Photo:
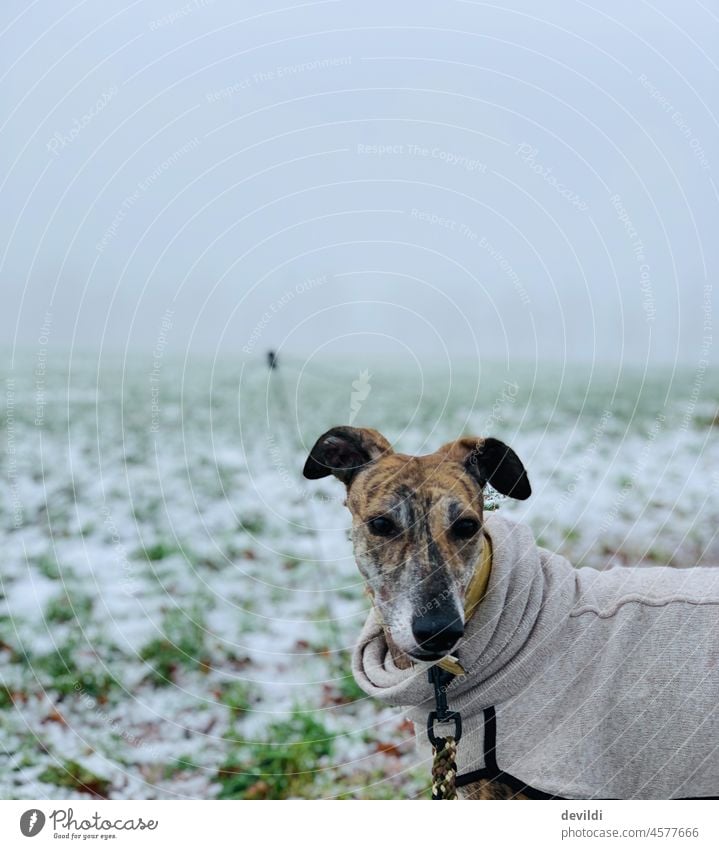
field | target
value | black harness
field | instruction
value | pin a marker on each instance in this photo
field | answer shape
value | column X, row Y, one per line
column 441, row 679
column 491, row 770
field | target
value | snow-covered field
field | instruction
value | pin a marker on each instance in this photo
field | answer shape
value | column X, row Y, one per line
column 177, row 604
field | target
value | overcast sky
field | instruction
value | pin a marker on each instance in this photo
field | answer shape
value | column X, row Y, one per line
column 532, row 180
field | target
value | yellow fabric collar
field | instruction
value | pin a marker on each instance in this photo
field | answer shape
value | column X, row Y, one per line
column 475, row 593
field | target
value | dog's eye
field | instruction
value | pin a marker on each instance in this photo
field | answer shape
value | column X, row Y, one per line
column 465, row 528
column 382, row 526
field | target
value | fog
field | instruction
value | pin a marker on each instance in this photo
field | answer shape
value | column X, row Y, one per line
column 417, row 180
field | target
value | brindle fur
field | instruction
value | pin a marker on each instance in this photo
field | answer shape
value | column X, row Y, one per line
column 485, row 788
column 423, row 568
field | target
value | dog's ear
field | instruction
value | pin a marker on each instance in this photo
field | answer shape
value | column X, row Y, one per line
column 491, row 461
column 343, row 451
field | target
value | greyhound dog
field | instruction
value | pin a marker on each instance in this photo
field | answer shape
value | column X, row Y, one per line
column 417, row 536
column 605, row 682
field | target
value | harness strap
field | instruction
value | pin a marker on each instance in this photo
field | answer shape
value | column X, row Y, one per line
column 490, row 740
column 491, row 769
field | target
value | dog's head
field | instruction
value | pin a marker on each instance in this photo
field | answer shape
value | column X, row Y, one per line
column 417, row 525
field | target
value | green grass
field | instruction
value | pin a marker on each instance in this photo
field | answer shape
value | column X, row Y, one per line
column 181, row 646
column 157, row 551
column 291, row 562
column 236, row 695
column 6, row 699
column 59, row 672
column 253, row 525
column 571, row 535
column 181, row 764
column 69, row 607
column 349, row 689
column 74, row 776
column 282, row 765
column 374, row 785
column 48, row 566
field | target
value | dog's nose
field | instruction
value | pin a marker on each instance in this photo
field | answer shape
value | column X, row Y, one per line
column 436, row 633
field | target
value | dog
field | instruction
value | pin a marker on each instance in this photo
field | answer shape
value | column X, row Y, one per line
column 571, row 683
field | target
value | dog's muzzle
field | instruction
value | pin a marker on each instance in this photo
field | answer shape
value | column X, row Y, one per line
column 437, row 633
